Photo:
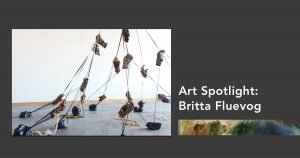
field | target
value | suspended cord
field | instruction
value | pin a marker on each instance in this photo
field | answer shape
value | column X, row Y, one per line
column 159, row 85
column 40, row 108
column 137, row 34
column 43, row 119
column 112, row 66
column 127, row 82
column 109, row 78
column 47, row 104
column 71, row 105
column 127, row 78
column 89, row 70
column 100, row 87
column 153, row 80
column 142, row 89
column 124, row 124
column 152, row 40
column 72, row 90
column 142, row 117
column 110, row 74
column 119, row 44
column 156, row 93
column 155, row 43
column 167, row 62
column 78, row 71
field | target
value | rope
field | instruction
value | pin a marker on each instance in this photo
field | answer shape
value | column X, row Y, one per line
column 89, row 70
column 127, row 71
column 100, row 87
column 124, row 124
column 167, row 62
column 153, row 80
column 78, row 71
column 142, row 87
column 110, row 74
column 152, row 39
column 109, row 78
column 124, row 47
column 155, row 43
column 142, row 117
column 44, row 119
column 74, row 100
column 56, row 125
column 127, row 78
column 119, row 44
column 137, row 34
column 156, row 93
column 40, row 108
column 127, row 82
column 72, row 90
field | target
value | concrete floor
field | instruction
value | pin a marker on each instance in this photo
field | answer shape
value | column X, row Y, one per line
column 100, row 122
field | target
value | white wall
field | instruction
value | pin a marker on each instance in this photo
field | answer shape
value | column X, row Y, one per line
column 44, row 61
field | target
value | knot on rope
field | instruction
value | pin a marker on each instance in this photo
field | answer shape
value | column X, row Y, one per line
column 144, row 71
column 126, row 61
column 159, row 57
column 116, row 63
column 126, row 34
column 163, row 98
column 22, row 130
column 126, row 109
column 25, row 114
column 84, row 84
column 100, row 41
column 96, row 49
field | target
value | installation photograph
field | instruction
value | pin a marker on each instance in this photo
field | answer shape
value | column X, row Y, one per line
column 91, row 82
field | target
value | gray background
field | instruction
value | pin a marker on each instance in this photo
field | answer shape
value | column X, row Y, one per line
column 216, row 42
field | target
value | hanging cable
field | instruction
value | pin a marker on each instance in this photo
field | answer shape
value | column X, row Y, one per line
column 78, row 71
column 156, row 93
column 71, row 105
column 153, row 80
column 110, row 76
column 90, row 67
column 142, row 117
column 155, row 43
column 142, row 87
column 101, row 87
column 137, row 34
column 152, row 40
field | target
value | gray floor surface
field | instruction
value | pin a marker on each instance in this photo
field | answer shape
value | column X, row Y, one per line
column 101, row 122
